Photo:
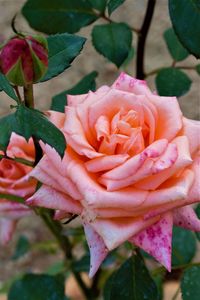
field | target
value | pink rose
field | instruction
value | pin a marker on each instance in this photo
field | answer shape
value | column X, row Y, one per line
column 130, row 169
column 14, row 180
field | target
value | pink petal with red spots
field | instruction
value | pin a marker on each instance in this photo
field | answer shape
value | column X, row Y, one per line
column 129, row 84
column 186, row 217
column 98, row 250
column 156, row 240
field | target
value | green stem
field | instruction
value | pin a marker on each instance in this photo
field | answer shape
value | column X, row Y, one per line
column 28, row 96
column 56, row 229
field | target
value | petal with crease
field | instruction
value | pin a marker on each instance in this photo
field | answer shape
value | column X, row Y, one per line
column 105, row 163
column 50, row 198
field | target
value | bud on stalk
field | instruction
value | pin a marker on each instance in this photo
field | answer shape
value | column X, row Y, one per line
column 24, row 60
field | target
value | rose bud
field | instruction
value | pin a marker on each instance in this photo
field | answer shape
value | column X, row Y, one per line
column 24, row 60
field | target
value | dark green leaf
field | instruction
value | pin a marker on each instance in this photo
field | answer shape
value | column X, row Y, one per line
column 38, row 287
column 129, row 57
column 34, row 123
column 177, row 51
column 185, row 17
column 23, row 246
column 7, row 88
column 113, row 41
column 114, row 4
column 158, row 279
column 172, row 82
column 83, row 86
column 8, row 124
column 58, row 16
column 198, row 214
column 190, row 286
column 63, row 49
column 99, row 5
column 198, row 69
column 83, row 264
column 56, row 268
column 133, row 281
column 108, row 287
column 182, row 254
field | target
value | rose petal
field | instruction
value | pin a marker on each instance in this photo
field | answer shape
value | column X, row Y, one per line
column 75, row 135
column 98, row 250
column 169, row 121
column 191, row 128
column 186, row 217
column 7, row 228
column 183, row 160
column 129, row 84
column 116, row 231
column 105, row 163
column 156, row 240
column 96, row 196
column 130, row 167
column 50, row 198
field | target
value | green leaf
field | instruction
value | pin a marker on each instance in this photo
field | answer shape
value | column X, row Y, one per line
column 83, row 264
column 113, row 41
column 58, row 16
column 99, row 5
column 7, row 88
column 190, row 286
column 8, row 124
column 40, row 287
column 132, row 281
column 198, row 69
column 56, row 268
column 34, row 123
column 197, row 210
column 63, row 49
column 182, row 254
column 172, row 82
column 129, row 57
column 158, row 279
column 108, row 287
column 177, row 51
column 86, row 84
column 114, row 4
column 23, row 246
column 185, row 17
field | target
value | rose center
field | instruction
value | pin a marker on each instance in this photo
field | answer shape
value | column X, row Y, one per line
column 122, row 134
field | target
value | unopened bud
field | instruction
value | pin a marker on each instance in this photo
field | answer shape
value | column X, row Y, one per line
column 24, row 60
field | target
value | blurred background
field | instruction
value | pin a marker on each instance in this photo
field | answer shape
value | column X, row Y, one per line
column 156, row 56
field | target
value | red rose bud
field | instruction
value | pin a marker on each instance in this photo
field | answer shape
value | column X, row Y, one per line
column 24, row 60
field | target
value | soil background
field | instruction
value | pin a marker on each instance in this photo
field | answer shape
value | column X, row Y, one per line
column 156, row 56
